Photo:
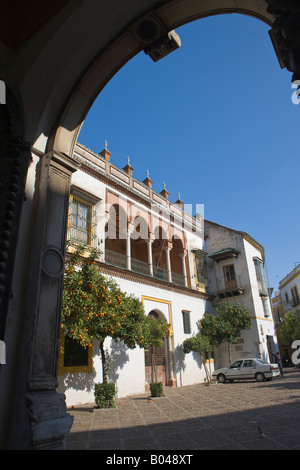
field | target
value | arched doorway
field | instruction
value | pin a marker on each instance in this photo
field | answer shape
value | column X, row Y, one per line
column 65, row 72
column 156, row 358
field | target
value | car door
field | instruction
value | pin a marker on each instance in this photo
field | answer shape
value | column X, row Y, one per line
column 234, row 371
column 248, row 369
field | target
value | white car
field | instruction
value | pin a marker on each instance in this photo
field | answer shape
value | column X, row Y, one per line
column 249, row 368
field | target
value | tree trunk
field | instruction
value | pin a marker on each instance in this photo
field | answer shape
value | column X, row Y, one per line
column 153, row 365
column 205, row 368
column 229, row 353
column 103, row 358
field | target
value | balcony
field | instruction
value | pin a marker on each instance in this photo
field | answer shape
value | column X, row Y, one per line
column 178, row 279
column 230, row 288
column 115, row 259
column 120, row 260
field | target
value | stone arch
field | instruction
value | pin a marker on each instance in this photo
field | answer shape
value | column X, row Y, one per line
column 176, row 255
column 116, row 235
column 148, row 32
column 78, row 67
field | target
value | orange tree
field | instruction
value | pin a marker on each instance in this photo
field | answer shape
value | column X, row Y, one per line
column 226, row 326
column 94, row 306
column 290, row 329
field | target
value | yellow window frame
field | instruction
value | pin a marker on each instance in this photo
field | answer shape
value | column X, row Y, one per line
column 199, row 285
column 91, row 216
column 62, row 369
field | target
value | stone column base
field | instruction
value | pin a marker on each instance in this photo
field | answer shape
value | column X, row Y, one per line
column 50, row 424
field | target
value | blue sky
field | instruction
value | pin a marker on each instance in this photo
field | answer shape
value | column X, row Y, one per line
column 215, row 121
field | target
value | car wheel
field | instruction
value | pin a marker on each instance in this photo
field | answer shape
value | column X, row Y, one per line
column 260, row 377
column 221, row 378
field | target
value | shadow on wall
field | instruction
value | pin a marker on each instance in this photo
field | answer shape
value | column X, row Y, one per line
column 180, row 365
column 117, row 357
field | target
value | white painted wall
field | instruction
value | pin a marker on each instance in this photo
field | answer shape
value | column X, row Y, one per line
column 129, row 375
column 286, row 284
column 254, row 340
column 128, row 371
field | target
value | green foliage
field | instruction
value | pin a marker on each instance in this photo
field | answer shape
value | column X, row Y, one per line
column 290, row 329
column 198, row 343
column 212, row 328
column 105, row 394
column 156, row 389
column 227, row 325
column 94, row 306
column 154, row 332
column 201, row 344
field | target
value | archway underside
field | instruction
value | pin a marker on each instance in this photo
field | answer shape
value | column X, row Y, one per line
column 282, row 16
column 52, row 122
column 140, row 35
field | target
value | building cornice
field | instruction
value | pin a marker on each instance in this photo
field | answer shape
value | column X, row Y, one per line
column 290, row 277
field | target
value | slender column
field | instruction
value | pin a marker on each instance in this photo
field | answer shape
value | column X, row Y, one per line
column 128, row 250
column 183, row 256
column 150, row 262
column 168, row 249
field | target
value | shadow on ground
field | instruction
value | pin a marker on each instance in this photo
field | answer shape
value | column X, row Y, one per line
column 237, row 416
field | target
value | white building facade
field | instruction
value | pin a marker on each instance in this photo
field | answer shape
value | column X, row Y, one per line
column 160, row 253
column 235, row 269
column 289, row 288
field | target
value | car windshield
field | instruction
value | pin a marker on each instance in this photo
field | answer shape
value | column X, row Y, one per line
column 262, row 361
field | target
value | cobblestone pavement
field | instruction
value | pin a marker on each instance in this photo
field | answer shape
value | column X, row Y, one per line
column 234, row 416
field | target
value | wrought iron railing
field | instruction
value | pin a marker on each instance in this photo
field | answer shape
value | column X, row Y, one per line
column 178, row 279
column 139, row 266
column 120, row 260
column 160, row 273
column 116, row 259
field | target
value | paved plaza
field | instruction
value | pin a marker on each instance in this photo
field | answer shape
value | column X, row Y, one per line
column 232, row 416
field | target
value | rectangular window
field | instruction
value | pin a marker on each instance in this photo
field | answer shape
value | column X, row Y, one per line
column 295, row 295
column 186, row 318
column 74, row 354
column 260, row 276
column 200, row 270
column 229, row 274
column 73, row 358
column 209, row 356
column 81, row 218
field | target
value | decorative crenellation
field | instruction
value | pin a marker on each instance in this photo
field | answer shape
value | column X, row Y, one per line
column 100, row 164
